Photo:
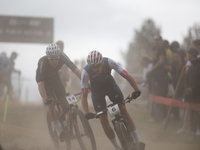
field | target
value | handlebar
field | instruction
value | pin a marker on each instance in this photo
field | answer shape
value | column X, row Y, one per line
column 128, row 99
column 64, row 98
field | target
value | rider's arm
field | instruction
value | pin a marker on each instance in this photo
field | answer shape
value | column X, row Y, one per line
column 63, row 72
column 84, row 91
column 84, row 102
column 123, row 73
column 131, row 80
column 42, row 90
column 71, row 65
column 77, row 72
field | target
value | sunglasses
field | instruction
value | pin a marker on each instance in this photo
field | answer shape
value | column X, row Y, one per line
column 97, row 66
column 54, row 59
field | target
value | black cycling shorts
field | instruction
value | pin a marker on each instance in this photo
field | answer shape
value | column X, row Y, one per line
column 98, row 97
column 55, row 85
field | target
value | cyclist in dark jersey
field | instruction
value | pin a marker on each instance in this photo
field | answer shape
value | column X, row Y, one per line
column 98, row 71
column 47, row 78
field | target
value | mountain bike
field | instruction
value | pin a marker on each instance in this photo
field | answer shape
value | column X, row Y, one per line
column 78, row 126
column 121, row 125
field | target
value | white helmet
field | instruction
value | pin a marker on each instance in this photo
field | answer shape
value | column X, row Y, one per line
column 53, row 50
column 94, row 58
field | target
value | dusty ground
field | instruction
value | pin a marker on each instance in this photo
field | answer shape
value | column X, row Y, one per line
column 25, row 129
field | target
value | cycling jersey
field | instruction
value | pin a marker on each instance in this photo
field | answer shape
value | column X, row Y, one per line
column 104, row 79
column 46, row 73
column 102, row 84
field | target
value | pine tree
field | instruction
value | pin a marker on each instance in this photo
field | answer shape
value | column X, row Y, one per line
column 193, row 33
column 142, row 44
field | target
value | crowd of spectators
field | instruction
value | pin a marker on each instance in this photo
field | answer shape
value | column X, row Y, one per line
column 6, row 68
column 161, row 74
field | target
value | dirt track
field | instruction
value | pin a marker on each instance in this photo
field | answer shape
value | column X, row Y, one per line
column 25, row 129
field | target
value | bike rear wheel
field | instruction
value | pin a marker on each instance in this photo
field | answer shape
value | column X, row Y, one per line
column 123, row 135
column 83, row 131
column 54, row 136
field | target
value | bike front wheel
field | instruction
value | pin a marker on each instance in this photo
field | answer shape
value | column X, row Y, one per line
column 123, row 135
column 59, row 145
column 83, row 131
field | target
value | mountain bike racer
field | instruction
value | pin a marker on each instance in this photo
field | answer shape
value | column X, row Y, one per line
column 98, row 72
column 47, row 77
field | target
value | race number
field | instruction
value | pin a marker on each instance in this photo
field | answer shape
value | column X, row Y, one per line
column 114, row 110
column 71, row 99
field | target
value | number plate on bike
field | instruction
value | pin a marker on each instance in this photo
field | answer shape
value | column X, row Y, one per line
column 114, row 110
column 71, row 99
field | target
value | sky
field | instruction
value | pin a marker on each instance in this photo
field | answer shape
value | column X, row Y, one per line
column 105, row 25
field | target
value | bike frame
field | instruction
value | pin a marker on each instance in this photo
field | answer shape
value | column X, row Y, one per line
column 118, row 117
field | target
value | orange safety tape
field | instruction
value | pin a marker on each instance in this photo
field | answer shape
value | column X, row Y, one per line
column 175, row 103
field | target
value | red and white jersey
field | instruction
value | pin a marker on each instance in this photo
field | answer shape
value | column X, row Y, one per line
column 104, row 78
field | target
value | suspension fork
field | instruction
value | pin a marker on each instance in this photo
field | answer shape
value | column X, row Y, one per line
column 114, row 121
column 128, row 128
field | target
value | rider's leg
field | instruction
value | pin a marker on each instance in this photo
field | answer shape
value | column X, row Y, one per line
column 108, row 130
column 54, row 118
column 130, row 122
column 64, row 106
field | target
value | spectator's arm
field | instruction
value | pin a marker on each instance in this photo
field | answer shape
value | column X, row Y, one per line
column 159, row 63
column 17, row 71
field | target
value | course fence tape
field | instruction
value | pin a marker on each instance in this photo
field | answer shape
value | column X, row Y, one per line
column 175, row 103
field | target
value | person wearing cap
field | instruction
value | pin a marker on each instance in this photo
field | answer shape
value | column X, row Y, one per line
column 192, row 88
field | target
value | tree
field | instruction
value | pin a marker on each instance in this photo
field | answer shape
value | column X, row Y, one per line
column 142, row 44
column 193, row 33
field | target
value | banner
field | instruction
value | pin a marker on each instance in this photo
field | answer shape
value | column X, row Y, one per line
column 26, row 29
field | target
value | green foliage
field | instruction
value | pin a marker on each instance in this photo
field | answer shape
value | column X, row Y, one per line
column 193, row 33
column 142, row 44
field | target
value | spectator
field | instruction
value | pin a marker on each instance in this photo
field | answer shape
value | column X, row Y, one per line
column 196, row 44
column 64, row 70
column 192, row 93
column 4, row 66
column 178, row 62
column 158, row 78
column 8, row 70
column 147, row 65
column 169, row 54
column 184, row 129
column 4, row 61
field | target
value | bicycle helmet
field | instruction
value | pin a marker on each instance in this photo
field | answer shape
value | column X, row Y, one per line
column 94, row 58
column 53, row 50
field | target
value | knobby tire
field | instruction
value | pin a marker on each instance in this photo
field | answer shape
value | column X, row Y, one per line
column 83, row 131
column 123, row 135
column 54, row 136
